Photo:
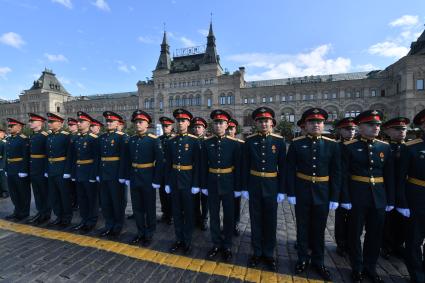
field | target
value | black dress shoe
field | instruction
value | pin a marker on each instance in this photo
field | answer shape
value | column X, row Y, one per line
column 236, row 230
column 253, row 261
column 105, row 232
column 176, row 246
column 147, row 241
column 373, row 277
column 212, row 253
column 42, row 220
column 87, row 228
column 323, row 272
column 115, row 233
column 227, row 255
column 270, row 263
column 55, row 222
column 12, row 216
column 21, row 217
column 78, row 227
column 356, row 276
column 137, row 239
column 65, row 223
column 34, row 219
column 300, row 267
column 187, row 249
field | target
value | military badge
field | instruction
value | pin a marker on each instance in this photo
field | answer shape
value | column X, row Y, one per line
column 273, row 148
column 381, row 155
column 186, row 147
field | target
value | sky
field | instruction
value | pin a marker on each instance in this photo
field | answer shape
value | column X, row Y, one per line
column 106, row 46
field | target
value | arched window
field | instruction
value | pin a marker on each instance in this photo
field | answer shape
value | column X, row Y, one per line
column 171, row 101
column 198, row 100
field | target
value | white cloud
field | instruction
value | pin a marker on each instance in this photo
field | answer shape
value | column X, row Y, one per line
column 123, row 67
column 366, row 67
column 55, row 57
column 405, row 20
column 146, row 39
column 65, row 3
column 388, row 49
column 12, row 39
column 4, row 71
column 187, row 42
column 275, row 66
column 133, row 67
column 102, row 5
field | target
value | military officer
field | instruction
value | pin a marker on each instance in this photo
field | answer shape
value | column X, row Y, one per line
column 73, row 130
column 368, row 189
column 182, row 179
column 346, row 130
column 145, row 165
column 167, row 129
column 121, row 127
column 96, row 126
column 200, row 200
column 313, row 185
column 4, row 192
column 395, row 223
column 16, row 169
column 38, row 168
column 85, row 150
column 231, row 132
column 263, row 175
column 112, row 175
column 220, row 157
column 58, row 170
column 411, row 200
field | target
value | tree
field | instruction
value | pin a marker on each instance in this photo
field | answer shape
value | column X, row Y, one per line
column 285, row 129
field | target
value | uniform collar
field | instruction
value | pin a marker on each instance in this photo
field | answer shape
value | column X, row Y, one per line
column 314, row 137
column 396, row 142
column 221, row 137
column 182, row 135
column 367, row 140
column 264, row 135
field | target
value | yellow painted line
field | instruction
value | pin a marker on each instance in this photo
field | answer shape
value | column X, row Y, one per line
column 161, row 258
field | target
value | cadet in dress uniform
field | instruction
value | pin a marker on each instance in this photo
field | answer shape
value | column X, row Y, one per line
column 4, row 191
column 263, row 166
column 231, row 132
column 411, row 200
column 395, row 223
column 182, row 179
column 85, row 169
column 111, row 174
column 145, row 168
column 165, row 199
column 73, row 130
column 38, row 169
column 346, row 130
column 313, row 185
column 220, row 167
column 59, row 170
column 96, row 126
column 368, row 187
column 200, row 200
column 16, row 169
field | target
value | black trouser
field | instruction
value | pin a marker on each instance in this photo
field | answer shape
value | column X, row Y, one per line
column 394, row 231
column 237, row 209
column 3, row 182
column 183, row 214
column 263, row 215
column 73, row 193
column 415, row 260
column 165, row 200
column 342, row 217
column 59, row 197
column 311, row 224
column 143, row 200
column 87, row 194
column 20, row 194
column 227, row 201
column 373, row 220
column 200, row 206
column 41, row 195
column 113, row 210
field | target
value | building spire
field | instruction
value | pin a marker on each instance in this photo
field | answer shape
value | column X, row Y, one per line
column 211, row 50
column 164, row 61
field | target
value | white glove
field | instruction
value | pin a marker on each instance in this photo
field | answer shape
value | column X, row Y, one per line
column 195, row 190
column 389, row 208
column 346, row 206
column 5, row 173
column 245, row 195
column 98, row 179
column 237, row 194
column 22, row 175
column 280, row 197
column 46, row 175
column 292, row 200
column 404, row 211
column 92, row 181
column 167, row 189
column 333, row 205
column 73, row 179
column 205, row 192
column 121, row 181
column 155, row 186
column 66, row 176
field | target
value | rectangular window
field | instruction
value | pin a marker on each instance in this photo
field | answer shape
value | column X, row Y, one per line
column 325, row 96
column 264, row 99
column 419, row 84
column 382, row 92
column 252, row 100
column 283, row 99
column 348, row 95
column 245, row 101
column 160, row 105
column 271, row 99
column 291, row 97
column 334, row 95
column 373, row 93
column 304, row 97
column 357, row 94
column 206, row 82
column 209, row 102
column 311, row 96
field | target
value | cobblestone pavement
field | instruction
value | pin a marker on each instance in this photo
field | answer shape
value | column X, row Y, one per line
column 31, row 254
